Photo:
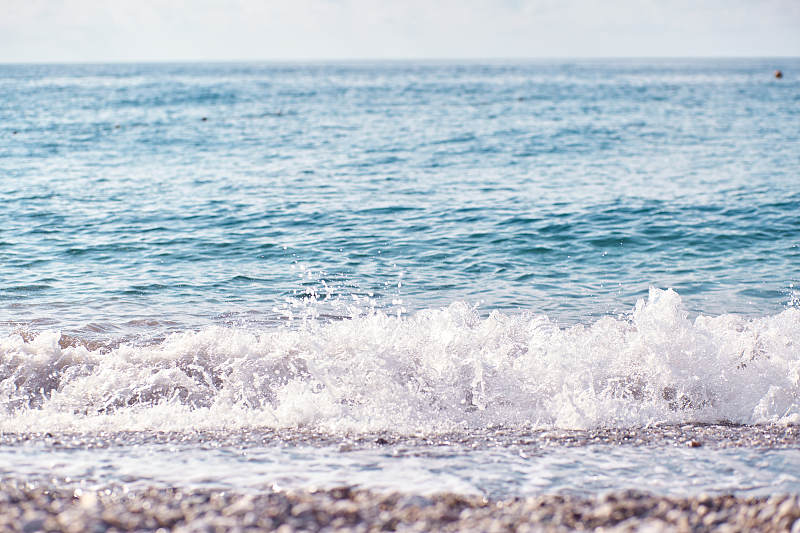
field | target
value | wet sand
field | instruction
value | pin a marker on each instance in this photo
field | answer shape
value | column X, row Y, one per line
column 28, row 508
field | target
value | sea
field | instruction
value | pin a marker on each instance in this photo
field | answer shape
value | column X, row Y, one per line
column 503, row 278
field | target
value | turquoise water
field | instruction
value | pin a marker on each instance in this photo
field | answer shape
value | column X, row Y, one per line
column 398, row 246
column 144, row 199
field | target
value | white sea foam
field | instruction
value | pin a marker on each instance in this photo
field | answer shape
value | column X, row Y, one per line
column 436, row 370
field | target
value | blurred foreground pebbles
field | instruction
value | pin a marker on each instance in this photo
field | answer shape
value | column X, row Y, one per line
column 25, row 507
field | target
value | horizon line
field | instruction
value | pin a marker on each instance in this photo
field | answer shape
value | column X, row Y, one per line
column 323, row 60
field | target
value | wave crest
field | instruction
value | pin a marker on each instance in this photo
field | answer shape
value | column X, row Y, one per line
column 436, row 370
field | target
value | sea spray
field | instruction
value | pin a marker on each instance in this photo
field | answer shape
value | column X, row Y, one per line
column 436, row 370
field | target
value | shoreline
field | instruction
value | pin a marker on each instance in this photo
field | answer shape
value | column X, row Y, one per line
column 48, row 501
column 692, row 435
column 27, row 507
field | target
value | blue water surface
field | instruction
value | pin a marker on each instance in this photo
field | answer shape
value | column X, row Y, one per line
column 172, row 196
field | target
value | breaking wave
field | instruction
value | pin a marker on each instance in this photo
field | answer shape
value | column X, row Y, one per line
column 436, row 370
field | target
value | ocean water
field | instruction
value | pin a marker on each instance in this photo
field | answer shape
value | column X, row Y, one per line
column 401, row 248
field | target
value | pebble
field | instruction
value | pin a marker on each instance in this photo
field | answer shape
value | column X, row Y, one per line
column 26, row 508
column 528, row 441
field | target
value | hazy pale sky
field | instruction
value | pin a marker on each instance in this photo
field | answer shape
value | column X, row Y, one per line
column 163, row 30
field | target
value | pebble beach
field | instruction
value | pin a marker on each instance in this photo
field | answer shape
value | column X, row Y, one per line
column 30, row 507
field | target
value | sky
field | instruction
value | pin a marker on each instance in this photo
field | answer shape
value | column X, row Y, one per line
column 218, row 30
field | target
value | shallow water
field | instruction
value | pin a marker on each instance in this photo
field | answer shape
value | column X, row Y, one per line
column 496, row 473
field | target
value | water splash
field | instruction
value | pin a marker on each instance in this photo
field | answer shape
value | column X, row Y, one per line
column 435, row 370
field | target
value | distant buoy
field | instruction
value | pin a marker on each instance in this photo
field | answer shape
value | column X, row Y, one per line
column 778, row 74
